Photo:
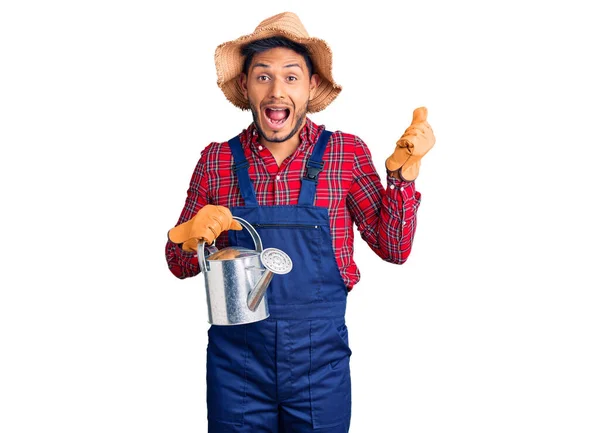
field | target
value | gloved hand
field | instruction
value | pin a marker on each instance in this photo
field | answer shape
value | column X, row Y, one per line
column 416, row 141
column 207, row 224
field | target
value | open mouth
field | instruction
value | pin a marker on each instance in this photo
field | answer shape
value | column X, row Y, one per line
column 276, row 117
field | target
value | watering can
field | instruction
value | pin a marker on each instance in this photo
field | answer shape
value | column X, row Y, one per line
column 236, row 279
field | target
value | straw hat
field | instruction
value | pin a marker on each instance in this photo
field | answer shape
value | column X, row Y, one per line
column 229, row 60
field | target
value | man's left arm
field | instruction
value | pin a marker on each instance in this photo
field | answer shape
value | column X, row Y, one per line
column 385, row 218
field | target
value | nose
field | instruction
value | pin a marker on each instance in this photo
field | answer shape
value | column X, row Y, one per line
column 277, row 89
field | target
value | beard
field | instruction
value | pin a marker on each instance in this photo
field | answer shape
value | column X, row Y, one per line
column 298, row 119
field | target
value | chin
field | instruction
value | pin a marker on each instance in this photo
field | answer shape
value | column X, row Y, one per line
column 277, row 136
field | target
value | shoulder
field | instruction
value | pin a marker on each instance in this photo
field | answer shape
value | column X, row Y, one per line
column 348, row 142
column 215, row 150
column 344, row 137
column 220, row 152
column 212, row 157
column 313, row 131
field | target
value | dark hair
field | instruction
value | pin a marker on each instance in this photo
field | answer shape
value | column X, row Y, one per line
column 262, row 45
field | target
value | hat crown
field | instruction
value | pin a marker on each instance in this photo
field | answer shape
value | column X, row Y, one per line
column 288, row 22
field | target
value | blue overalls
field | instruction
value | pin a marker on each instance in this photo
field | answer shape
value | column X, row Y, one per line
column 290, row 372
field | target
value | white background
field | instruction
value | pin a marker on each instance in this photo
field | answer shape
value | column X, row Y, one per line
column 491, row 326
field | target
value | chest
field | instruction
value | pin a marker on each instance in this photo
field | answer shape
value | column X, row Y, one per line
column 280, row 184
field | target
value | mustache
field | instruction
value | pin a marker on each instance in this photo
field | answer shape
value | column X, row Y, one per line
column 279, row 104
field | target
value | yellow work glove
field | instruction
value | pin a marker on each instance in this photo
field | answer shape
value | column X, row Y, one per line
column 207, row 224
column 416, row 141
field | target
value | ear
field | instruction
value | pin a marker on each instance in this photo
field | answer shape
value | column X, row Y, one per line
column 243, row 81
column 315, row 80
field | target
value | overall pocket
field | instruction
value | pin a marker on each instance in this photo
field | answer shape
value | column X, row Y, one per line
column 226, row 364
column 330, row 385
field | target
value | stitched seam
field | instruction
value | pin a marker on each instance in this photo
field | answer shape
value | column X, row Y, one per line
column 246, row 356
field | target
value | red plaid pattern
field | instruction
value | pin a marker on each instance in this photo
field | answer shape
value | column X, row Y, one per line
column 349, row 187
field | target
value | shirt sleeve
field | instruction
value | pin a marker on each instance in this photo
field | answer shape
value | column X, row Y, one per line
column 181, row 263
column 385, row 218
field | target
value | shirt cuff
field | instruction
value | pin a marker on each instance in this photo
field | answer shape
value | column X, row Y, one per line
column 189, row 257
column 402, row 196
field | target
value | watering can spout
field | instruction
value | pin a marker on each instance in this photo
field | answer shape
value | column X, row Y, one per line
column 274, row 261
column 258, row 292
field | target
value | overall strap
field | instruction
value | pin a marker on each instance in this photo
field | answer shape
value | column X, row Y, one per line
column 240, row 166
column 313, row 168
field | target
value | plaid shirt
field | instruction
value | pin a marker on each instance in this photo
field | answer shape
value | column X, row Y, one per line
column 349, row 187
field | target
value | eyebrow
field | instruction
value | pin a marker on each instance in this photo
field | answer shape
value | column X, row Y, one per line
column 264, row 65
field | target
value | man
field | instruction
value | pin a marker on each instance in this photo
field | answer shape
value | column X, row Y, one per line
column 303, row 188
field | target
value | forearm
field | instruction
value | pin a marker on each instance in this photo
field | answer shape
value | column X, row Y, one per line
column 397, row 220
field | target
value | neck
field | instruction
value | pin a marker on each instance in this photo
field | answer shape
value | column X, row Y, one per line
column 281, row 151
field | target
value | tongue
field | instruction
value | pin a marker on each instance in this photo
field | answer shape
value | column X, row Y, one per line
column 276, row 114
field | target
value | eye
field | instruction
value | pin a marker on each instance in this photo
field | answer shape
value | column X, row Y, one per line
column 263, row 78
column 292, row 78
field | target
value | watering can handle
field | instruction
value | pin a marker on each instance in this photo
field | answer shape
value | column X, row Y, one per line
column 255, row 237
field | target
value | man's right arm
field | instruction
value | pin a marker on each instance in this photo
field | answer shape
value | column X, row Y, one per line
column 181, row 263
